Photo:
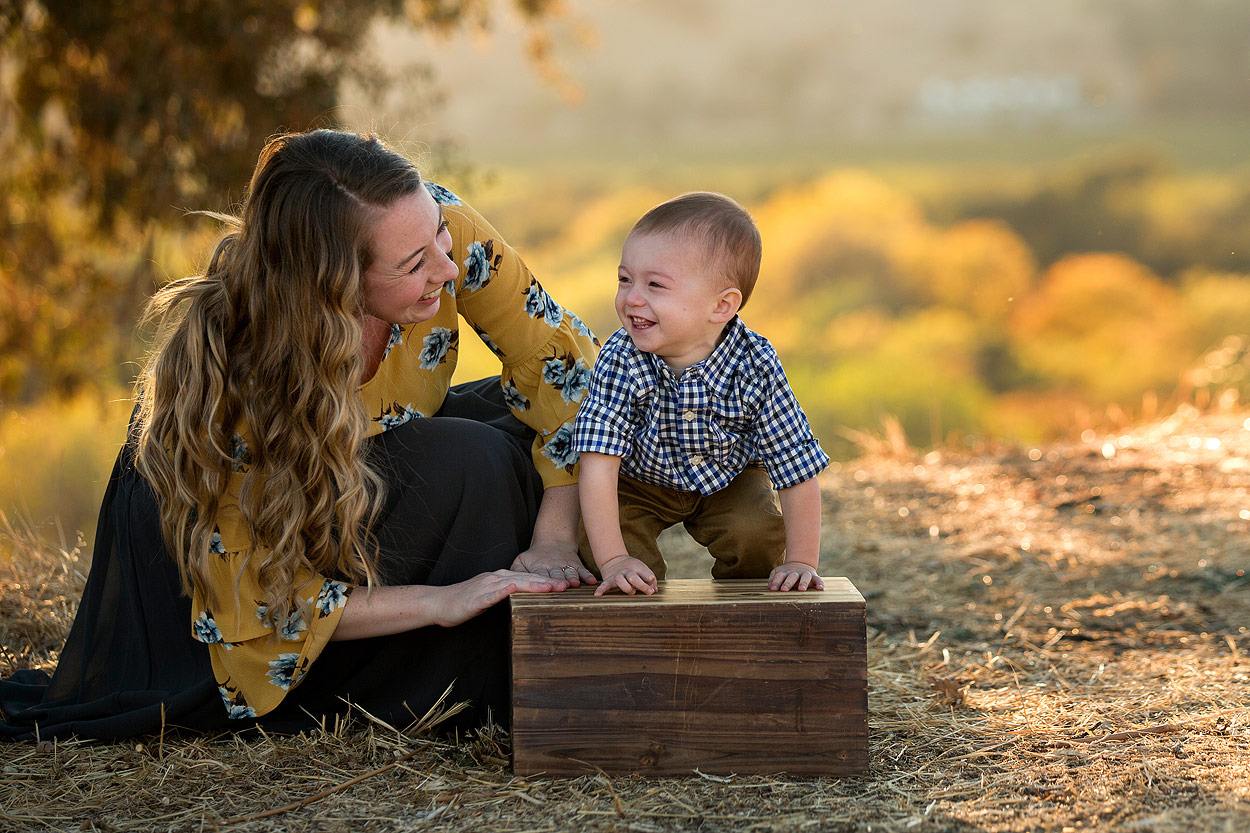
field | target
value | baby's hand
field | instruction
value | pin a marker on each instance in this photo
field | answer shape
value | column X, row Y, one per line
column 627, row 574
column 795, row 575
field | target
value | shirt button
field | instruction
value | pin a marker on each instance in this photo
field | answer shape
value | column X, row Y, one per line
column 696, row 460
column 688, row 415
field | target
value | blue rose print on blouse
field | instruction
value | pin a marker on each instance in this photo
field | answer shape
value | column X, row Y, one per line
column 333, row 595
column 395, row 415
column 215, row 545
column 205, row 629
column 481, row 261
column 440, row 194
column 236, row 707
column 538, row 304
column 513, row 397
column 396, row 339
column 580, row 327
column 240, row 454
column 436, row 346
column 559, row 449
column 285, row 670
column 486, row 339
column 294, row 626
column 568, row 375
column 554, row 314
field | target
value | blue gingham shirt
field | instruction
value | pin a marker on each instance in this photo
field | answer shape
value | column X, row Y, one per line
column 698, row 432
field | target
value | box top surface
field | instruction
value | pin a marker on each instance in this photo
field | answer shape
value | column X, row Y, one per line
column 838, row 590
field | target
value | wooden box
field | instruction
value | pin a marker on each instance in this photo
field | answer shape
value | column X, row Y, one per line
column 719, row 676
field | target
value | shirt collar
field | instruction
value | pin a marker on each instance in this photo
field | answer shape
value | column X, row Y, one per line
column 714, row 370
column 641, row 367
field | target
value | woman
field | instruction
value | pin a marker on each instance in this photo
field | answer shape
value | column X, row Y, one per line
column 329, row 542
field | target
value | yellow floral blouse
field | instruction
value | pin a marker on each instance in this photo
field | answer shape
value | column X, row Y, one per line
column 545, row 352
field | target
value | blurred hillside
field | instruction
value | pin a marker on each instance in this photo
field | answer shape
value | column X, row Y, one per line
column 959, row 313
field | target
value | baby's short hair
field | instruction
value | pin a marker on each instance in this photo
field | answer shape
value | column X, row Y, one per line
column 729, row 237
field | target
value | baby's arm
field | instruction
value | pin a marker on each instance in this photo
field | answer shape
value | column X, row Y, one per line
column 800, row 510
column 601, row 514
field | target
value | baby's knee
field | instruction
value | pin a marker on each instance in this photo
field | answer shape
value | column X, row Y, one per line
column 746, row 544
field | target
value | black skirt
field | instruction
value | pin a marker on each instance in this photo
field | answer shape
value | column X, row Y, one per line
column 461, row 499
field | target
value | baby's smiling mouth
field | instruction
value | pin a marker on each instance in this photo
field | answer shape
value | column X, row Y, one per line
column 640, row 323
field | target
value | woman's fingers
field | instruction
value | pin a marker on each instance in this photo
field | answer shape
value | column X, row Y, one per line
column 467, row 599
column 561, row 565
column 576, row 574
column 498, row 595
column 529, row 582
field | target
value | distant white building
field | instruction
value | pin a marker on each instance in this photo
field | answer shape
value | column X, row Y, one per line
column 1019, row 97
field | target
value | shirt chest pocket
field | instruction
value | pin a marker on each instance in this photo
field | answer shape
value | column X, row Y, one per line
column 723, row 439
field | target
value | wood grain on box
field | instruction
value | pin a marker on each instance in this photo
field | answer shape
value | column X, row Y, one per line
column 722, row 676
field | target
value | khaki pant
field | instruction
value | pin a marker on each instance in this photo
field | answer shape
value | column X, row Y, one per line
column 740, row 525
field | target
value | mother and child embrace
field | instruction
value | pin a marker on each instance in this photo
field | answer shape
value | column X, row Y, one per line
column 308, row 517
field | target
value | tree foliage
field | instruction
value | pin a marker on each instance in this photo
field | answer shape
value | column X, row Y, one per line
column 147, row 104
column 118, row 114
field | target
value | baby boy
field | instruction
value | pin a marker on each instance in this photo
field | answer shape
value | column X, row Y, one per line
column 689, row 417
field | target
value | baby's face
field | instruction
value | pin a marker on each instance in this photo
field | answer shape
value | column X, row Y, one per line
column 667, row 301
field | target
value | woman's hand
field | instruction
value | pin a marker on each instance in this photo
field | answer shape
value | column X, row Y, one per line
column 558, row 562
column 457, row 603
column 553, row 548
column 394, row 609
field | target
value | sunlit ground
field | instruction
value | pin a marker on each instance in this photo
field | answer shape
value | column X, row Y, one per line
column 1057, row 641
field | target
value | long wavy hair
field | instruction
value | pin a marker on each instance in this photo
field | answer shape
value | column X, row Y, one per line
column 269, row 337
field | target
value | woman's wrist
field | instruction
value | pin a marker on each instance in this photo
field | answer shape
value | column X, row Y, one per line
column 558, row 514
column 388, row 609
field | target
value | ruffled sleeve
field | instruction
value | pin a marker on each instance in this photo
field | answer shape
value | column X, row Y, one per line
column 546, row 351
column 256, row 660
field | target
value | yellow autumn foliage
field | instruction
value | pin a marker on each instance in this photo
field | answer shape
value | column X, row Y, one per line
column 1104, row 325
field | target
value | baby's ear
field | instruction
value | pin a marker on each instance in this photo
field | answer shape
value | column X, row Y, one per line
column 727, row 305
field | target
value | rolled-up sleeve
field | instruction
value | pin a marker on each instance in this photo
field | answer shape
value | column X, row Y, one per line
column 603, row 423
column 784, row 440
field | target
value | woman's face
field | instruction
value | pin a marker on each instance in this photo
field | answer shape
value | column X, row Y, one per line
column 411, row 263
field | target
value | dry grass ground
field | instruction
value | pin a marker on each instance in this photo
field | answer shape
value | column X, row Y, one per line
column 1057, row 642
